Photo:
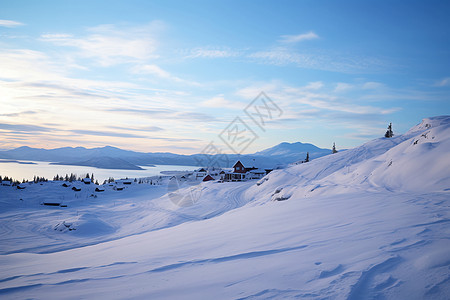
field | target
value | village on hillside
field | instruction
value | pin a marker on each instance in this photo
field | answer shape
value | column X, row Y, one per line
column 237, row 173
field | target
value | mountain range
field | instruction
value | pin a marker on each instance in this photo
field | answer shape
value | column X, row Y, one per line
column 115, row 158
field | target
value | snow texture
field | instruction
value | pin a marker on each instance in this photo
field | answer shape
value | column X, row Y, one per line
column 366, row 223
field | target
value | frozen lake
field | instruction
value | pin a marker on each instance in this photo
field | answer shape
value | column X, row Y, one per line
column 29, row 169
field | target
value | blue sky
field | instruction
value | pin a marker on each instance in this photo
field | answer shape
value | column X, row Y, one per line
column 172, row 75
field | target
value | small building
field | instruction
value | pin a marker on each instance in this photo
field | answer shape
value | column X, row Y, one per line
column 238, row 173
column 200, row 173
column 86, row 180
column 6, row 183
column 241, row 173
column 208, row 178
column 238, row 167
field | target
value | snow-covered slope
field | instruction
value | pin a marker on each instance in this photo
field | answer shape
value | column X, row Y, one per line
column 418, row 161
column 353, row 226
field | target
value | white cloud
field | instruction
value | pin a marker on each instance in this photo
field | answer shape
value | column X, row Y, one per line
column 157, row 71
column 212, row 53
column 152, row 69
column 10, row 23
column 55, row 36
column 25, row 64
column 110, row 45
column 314, row 95
column 299, row 37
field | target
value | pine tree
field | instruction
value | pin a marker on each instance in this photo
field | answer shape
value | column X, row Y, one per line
column 307, row 157
column 389, row 133
column 334, row 148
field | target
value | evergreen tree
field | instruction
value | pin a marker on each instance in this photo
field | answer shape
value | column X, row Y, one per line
column 92, row 177
column 334, row 148
column 307, row 157
column 389, row 133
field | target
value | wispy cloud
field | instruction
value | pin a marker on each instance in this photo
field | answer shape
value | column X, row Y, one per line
column 371, row 85
column 145, row 129
column 10, row 23
column 299, row 37
column 153, row 69
column 23, row 127
column 162, row 113
column 106, row 133
column 219, row 101
column 110, row 45
column 342, row 87
column 17, row 114
column 166, row 114
column 443, row 82
column 211, row 52
column 315, row 96
column 320, row 60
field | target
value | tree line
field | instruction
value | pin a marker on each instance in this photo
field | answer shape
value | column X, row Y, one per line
column 67, row 177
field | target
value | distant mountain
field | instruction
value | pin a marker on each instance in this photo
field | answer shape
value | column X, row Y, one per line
column 108, row 157
column 294, row 151
column 103, row 162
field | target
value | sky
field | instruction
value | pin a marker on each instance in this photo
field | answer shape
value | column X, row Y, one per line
column 181, row 76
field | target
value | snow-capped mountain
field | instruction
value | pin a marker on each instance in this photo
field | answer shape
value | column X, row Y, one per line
column 294, row 149
column 283, row 153
column 103, row 162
